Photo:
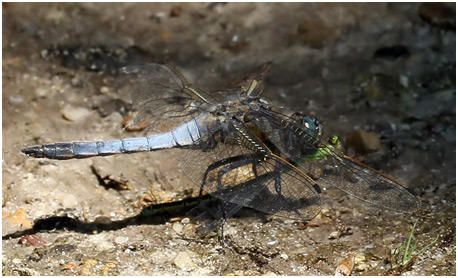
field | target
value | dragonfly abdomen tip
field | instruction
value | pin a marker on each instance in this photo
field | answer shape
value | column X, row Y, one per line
column 35, row 151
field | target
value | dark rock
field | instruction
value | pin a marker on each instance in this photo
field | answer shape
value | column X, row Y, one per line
column 440, row 15
column 176, row 11
column 97, row 58
column 392, row 52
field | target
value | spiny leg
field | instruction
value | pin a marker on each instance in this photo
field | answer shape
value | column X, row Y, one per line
column 220, row 163
column 241, row 161
column 223, row 221
column 231, row 164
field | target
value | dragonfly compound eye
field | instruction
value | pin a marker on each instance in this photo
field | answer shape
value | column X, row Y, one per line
column 312, row 124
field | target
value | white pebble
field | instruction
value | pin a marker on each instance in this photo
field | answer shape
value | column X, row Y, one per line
column 177, row 227
column 183, row 261
column 75, row 113
column 121, row 240
column 334, row 235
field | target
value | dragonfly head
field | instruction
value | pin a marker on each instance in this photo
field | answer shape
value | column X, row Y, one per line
column 313, row 124
column 335, row 142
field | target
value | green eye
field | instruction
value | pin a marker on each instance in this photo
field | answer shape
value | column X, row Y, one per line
column 334, row 139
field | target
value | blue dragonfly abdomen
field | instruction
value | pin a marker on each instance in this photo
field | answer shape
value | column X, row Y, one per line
column 184, row 135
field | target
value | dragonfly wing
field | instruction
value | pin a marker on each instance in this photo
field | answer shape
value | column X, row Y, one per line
column 362, row 182
column 239, row 173
column 271, row 187
column 210, row 149
column 163, row 97
column 324, row 163
column 253, row 83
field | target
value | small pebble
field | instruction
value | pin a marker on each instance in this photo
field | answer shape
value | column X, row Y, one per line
column 100, row 242
column 362, row 267
column 203, row 271
column 30, row 198
column 346, row 266
column 104, row 90
column 363, row 141
column 68, row 201
column 74, row 113
column 177, row 227
column 44, row 53
column 70, row 266
column 404, row 81
column 76, row 82
column 325, row 210
column 334, row 235
column 16, row 99
column 373, row 264
column 41, row 92
column 102, row 220
column 269, row 273
column 183, row 261
column 16, row 261
column 284, row 256
column 185, row 220
column 369, row 246
column 229, row 230
column 31, row 240
column 121, row 240
column 360, row 258
column 88, row 267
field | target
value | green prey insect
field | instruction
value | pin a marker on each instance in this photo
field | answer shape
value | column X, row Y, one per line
column 324, row 150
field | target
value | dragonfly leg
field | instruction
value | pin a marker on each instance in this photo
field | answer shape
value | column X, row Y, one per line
column 220, row 163
column 223, row 221
column 241, row 161
column 228, row 164
column 278, row 184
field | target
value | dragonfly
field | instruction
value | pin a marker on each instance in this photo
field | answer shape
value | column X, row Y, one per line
column 239, row 148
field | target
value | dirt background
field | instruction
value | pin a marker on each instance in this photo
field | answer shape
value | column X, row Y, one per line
column 388, row 69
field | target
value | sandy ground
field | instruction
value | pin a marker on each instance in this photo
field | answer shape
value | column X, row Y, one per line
column 388, row 69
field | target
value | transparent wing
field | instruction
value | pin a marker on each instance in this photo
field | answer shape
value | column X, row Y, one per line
column 239, row 173
column 163, row 97
column 253, row 83
column 330, row 167
column 279, row 190
column 363, row 182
